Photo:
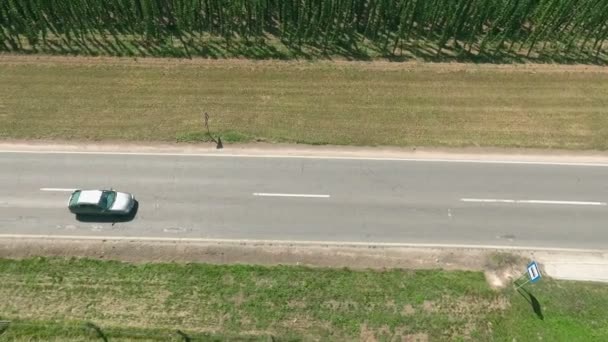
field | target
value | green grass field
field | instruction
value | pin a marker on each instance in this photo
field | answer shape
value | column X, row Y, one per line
column 75, row 300
column 377, row 103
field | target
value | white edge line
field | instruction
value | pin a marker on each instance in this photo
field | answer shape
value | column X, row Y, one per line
column 58, row 189
column 493, row 200
column 237, row 155
column 302, row 242
column 265, row 194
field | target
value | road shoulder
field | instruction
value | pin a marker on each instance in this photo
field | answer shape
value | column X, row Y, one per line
column 471, row 154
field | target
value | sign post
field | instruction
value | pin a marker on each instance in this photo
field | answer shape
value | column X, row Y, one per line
column 532, row 275
column 218, row 142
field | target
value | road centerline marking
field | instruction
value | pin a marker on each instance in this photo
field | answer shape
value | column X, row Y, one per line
column 58, row 189
column 515, row 201
column 268, row 194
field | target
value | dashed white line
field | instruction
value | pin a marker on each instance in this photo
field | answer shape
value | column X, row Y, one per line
column 266, row 194
column 58, row 189
column 487, row 200
column 513, row 201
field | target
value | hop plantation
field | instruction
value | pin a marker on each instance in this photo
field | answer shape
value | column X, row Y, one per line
column 483, row 29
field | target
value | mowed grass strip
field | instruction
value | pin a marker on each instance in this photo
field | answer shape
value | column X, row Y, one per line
column 57, row 299
column 339, row 103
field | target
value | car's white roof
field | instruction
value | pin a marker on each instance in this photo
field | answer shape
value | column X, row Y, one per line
column 89, row 196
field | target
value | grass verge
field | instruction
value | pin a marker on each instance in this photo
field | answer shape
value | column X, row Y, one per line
column 58, row 299
column 313, row 103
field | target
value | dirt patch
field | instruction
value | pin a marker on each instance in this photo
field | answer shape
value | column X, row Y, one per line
column 408, row 310
column 499, row 279
column 366, row 334
column 419, row 337
column 299, row 323
column 384, row 333
column 428, row 306
column 297, row 304
column 502, row 269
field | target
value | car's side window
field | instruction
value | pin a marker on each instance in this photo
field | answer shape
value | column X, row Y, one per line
column 89, row 207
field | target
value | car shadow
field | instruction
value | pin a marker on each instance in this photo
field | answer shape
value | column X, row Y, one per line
column 109, row 218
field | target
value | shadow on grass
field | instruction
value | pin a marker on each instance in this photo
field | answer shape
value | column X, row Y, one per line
column 531, row 299
column 272, row 45
column 96, row 330
column 184, row 336
column 109, row 218
column 4, row 326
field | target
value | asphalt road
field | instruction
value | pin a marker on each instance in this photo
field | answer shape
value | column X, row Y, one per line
column 340, row 200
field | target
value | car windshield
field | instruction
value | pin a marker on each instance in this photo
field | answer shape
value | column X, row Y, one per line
column 107, row 199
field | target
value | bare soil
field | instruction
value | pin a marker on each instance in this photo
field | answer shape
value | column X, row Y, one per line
column 375, row 65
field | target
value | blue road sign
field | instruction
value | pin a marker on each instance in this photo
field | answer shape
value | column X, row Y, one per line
column 534, row 272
